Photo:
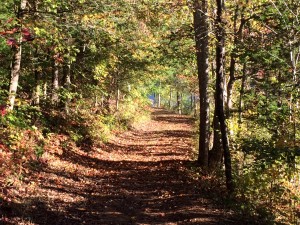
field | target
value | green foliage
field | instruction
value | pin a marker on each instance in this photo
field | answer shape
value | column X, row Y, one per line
column 137, row 48
column 266, row 176
column 132, row 110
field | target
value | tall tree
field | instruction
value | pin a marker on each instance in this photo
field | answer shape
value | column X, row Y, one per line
column 17, row 57
column 219, row 103
column 201, row 38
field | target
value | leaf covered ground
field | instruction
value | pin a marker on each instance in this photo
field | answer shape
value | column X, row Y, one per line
column 141, row 176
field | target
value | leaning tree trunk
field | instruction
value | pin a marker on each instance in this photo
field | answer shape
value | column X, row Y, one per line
column 16, row 63
column 201, row 38
column 238, row 36
column 220, row 55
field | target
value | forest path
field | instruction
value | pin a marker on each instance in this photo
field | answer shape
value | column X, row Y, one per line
column 139, row 177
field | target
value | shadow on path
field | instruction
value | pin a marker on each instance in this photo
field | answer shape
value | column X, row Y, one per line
column 141, row 177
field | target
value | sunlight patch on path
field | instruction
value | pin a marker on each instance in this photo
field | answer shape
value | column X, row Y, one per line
column 165, row 137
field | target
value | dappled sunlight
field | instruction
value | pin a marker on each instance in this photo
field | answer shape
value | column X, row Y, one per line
column 136, row 178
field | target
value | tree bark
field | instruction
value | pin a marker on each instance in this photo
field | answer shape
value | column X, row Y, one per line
column 159, row 95
column 220, row 56
column 67, row 85
column 201, row 39
column 238, row 36
column 37, row 89
column 179, row 103
column 216, row 153
column 117, row 99
column 55, row 83
column 242, row 91
column 15, row 74
column 192, row 102
column 16, row 62
column 170, row 98
column 158, row 100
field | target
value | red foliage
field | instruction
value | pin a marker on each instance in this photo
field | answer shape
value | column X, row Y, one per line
column 27, row 35
column 14, row 30
column 3, row 110
column 11, row 42
column 4, row 148
column 58, row 58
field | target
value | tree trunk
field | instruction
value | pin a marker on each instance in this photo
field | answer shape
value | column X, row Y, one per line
column 170, row 99
column 195, row 106
column 158, row 100
column 15, row 74
column 216, row 153
column 67, row 86
column 16, row 62
column 192, row 106
column 201, row 39
column 231, row 81
column 242, row 91
column 55, row 83
column 106, row 104
column 37, row 89
column 238, row 36
column 220, row 56
column 117, row 99
column 179, row 103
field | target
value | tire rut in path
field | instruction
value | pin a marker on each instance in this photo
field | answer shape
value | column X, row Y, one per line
column 139, row 177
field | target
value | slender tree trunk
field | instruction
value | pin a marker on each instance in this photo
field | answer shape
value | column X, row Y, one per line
column 96, row 102
column 238, row 36
column 216, row 153
column 117, row 99
column 106, row 104
column 195, row 108
column 220, row 56
column 36, row 93
column 159, row 95
column 110, row 90
column 37, row 89
column 179, row 103
column 15, row 74
column 16, row 62
column 158, row 100
column 55, row 83
column 67, row 85
column 170, row 99
column 201, row 39
column 45, row 91
column 231, row 81
column 242, row 91
column 192, row 102
column 228, row 105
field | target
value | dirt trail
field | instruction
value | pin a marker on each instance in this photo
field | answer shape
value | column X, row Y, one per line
column 139, row 177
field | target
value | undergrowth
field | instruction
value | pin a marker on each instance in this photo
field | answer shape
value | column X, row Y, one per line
column 28, row 132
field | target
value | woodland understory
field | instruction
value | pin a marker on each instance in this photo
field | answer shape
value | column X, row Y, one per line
column 205, row 94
